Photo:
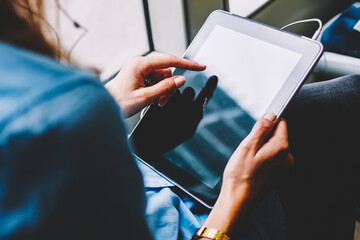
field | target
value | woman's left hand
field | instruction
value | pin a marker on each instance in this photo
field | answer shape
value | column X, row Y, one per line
column 129, row 89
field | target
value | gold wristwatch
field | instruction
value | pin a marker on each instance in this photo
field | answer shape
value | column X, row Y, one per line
column 210, row 233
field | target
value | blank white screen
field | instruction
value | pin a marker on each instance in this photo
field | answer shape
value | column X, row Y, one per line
column 256, row 73
column 251, row 72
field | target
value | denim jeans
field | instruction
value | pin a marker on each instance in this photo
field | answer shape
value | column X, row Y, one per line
column 320, row 194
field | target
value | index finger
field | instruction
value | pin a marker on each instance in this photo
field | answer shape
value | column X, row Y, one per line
column 278, row 142
column 260, row 132
column 280, row 133
column 166, row 61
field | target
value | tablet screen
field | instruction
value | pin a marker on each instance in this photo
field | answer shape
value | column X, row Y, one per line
column 247, row 85
column 259, row 69
column 254, row 77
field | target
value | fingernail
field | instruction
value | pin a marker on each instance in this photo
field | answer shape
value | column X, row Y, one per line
column 270, row 116
column 179, row 81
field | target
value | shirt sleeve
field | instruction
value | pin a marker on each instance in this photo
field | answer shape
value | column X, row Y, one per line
column 67, row 172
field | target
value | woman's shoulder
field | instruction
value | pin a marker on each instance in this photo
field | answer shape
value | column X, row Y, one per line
column 39, row 94
column 29, row 79
column 19, row 65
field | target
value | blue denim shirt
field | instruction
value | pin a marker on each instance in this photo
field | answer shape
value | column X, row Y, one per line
column 172, row 216
column 66, row 171
column 169, row 216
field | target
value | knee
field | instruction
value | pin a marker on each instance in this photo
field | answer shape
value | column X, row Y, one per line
column 353, row 78
column 352, row 82
column 346, row 86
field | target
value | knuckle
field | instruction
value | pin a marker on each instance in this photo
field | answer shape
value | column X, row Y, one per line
column 285, row 146
column 142, row 96
column 135, row 59
column 246, row 145
column 286, row 143
column 168, row 72
column 166, row 86
column 172, row 59
column 169, row 85
column 283, row 150
column 262, row 125
column 143, row 61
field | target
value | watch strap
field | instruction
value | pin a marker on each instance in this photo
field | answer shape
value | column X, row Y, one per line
column 210, row 233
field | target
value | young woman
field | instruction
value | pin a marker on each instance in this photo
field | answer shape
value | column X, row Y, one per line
column 67, row 171
column 66, row 168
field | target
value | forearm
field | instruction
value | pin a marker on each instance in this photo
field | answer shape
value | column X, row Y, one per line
column 253, row 169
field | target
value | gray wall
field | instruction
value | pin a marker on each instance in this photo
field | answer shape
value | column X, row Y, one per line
column 281, row 12
column 196, row 12
column 277, row 13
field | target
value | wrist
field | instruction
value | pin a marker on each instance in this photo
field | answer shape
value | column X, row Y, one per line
column 110, row 88
column 209, row 233
column 124, row 103
column 245, row 190
column 231, row 209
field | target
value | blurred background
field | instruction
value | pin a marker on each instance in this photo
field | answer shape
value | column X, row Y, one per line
column 108, row 32
column 113, row 30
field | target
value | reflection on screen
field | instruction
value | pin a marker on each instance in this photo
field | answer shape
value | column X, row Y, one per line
column 250, row 74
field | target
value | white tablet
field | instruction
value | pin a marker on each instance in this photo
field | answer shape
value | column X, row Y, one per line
column 260, row 68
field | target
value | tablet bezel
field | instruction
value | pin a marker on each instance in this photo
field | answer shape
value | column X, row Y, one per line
column 309, row 49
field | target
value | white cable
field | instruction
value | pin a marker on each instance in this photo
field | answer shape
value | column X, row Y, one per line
column 316, row 34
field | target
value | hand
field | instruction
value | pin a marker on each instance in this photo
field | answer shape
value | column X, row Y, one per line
column 258, row 163
column 163, row 128
column 129, row 89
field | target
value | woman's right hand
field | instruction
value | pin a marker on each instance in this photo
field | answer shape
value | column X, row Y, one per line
column 258, row 163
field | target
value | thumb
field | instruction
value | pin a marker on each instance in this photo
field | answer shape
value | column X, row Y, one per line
column 164, row 87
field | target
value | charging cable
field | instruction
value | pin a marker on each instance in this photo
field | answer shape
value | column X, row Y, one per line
column 76, row 25
column 316, row 34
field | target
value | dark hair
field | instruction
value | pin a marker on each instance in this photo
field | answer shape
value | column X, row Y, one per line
column 22, row 23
